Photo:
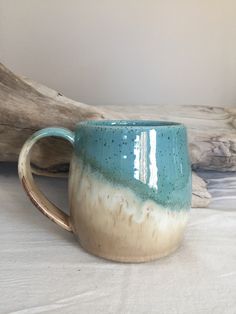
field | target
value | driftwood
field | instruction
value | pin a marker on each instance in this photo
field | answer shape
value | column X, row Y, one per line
column 26, row 106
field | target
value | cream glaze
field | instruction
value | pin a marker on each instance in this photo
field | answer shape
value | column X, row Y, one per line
column 112, row 222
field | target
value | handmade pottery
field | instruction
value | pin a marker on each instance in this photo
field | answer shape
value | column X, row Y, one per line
column 129, row 187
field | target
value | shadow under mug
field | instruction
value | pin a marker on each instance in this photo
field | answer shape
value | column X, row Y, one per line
column 129, row 187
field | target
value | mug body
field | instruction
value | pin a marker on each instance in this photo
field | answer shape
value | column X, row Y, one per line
column 130, row 188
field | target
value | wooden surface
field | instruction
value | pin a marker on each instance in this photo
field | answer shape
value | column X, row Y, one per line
column 211, row 131
column 27, row 106
column 44, row 270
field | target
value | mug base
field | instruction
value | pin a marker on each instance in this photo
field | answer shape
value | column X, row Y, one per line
column 129, row 259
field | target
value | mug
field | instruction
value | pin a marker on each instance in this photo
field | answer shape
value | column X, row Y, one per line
column 129, row 187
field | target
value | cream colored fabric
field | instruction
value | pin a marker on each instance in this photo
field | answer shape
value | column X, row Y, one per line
column 43, row 269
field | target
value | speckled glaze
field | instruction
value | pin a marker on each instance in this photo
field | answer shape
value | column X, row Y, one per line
column 149, row 157
column 129, row 187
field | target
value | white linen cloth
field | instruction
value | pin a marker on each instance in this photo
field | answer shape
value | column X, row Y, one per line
column 44, row 270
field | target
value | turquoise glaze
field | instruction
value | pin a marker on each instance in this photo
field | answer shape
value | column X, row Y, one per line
column 149, row 157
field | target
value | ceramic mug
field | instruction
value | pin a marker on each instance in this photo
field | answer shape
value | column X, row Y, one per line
column 129, row 187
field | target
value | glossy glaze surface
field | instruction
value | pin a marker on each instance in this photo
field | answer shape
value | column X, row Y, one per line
column 149, row 157
column 112, row 221
column 130, row 188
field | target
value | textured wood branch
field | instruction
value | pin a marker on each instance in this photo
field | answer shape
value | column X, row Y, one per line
column 200, row 195
column 26, row 106
column 211, row 131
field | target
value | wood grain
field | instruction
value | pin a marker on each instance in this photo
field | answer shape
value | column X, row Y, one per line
column 26, row 106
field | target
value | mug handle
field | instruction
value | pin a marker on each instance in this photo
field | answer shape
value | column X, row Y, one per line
column 24, row 169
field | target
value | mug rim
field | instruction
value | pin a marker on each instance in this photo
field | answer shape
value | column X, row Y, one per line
column 128, row 123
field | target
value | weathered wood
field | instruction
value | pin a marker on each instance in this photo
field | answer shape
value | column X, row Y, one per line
column 23, row 110
column 26, row 106
column 200, row 195
column 211, row 131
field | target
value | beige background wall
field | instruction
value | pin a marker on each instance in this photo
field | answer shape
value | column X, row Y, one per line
column 125, row 51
